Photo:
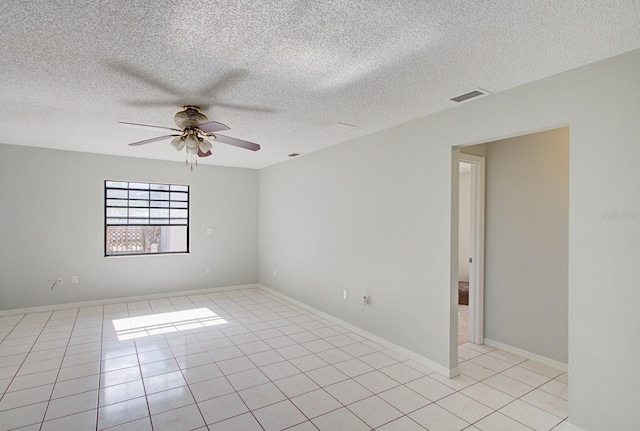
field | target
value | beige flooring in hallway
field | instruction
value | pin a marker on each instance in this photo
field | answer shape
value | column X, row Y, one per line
column 463, row 324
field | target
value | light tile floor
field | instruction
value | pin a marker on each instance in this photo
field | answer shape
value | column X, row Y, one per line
column 463, row 324
column 248, row 360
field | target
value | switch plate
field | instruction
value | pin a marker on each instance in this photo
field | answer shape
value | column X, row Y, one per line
column 60, row 280
column 209, row 231
column 208, row 270
column 74, row 279
column 345, row 294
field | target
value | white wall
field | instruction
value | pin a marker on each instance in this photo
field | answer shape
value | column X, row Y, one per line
column 358, row 217
column 464, row 225
column 374, row 216
column 526, row 243
column 52, row 224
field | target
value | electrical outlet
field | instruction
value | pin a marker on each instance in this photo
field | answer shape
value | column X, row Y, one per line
column 74, row 279
column 208, row 270
column 60, row 280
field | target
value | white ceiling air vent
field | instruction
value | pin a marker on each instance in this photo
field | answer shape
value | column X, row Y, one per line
column 470, row 95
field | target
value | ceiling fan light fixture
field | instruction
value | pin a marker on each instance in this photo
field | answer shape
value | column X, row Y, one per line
column 205, row 145
column 192, row 143
column 178, row 143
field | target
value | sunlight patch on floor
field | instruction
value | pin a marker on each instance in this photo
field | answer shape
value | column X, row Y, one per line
column 153, row 324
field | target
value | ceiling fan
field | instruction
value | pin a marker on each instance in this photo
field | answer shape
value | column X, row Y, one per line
column 194, row 130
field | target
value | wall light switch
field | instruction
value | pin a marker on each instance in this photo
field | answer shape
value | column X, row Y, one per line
column 74, row 279
column 345, row 294
column 209, row 231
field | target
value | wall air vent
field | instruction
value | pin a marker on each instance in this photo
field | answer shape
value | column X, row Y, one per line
column 470, row 95
column 294, row 155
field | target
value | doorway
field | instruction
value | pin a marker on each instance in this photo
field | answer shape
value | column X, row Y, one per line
column 471, row 249
column 524, row 256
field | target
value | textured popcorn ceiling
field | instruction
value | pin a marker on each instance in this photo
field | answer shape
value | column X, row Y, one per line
column 280, row 73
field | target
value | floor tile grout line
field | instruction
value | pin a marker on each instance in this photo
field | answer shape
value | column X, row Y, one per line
column 255, row 310
column 287, row 398
column 190, row 390
column 59, row 368
column 204, row 420
column 15, row 375
column 515, row 398
column 57, row 376
column 323, row 388
column 378, row 369
column 267, row 377
column 100, row 387
column 100, row 370
column 144, row 387
column 13, row 328
column 25, row 357
column 236, row 391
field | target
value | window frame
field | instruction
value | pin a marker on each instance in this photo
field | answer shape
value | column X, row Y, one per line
column 146, row 221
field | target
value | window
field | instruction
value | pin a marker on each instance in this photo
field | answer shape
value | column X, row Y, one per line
column 145, row 218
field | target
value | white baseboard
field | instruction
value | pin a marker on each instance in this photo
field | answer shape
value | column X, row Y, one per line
column 447, row 372
column 122, row 299
column 525, row 354
column 566, row 426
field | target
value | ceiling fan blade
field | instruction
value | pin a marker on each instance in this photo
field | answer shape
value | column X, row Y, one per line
column 212, row 126
column 229, row 79
column 203, row 103
column 201, row 154
column 144, row 77
column 154, row 103
column 147, row 126
column 237, row 142
column 243, row 107
column 148, row 141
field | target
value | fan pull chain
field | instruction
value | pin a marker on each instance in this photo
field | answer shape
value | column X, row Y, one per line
column 189, row 161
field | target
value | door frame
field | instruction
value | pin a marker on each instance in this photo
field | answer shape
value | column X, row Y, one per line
column 476, row 245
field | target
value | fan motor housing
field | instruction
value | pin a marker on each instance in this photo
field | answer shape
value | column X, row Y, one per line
column 190, row 117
